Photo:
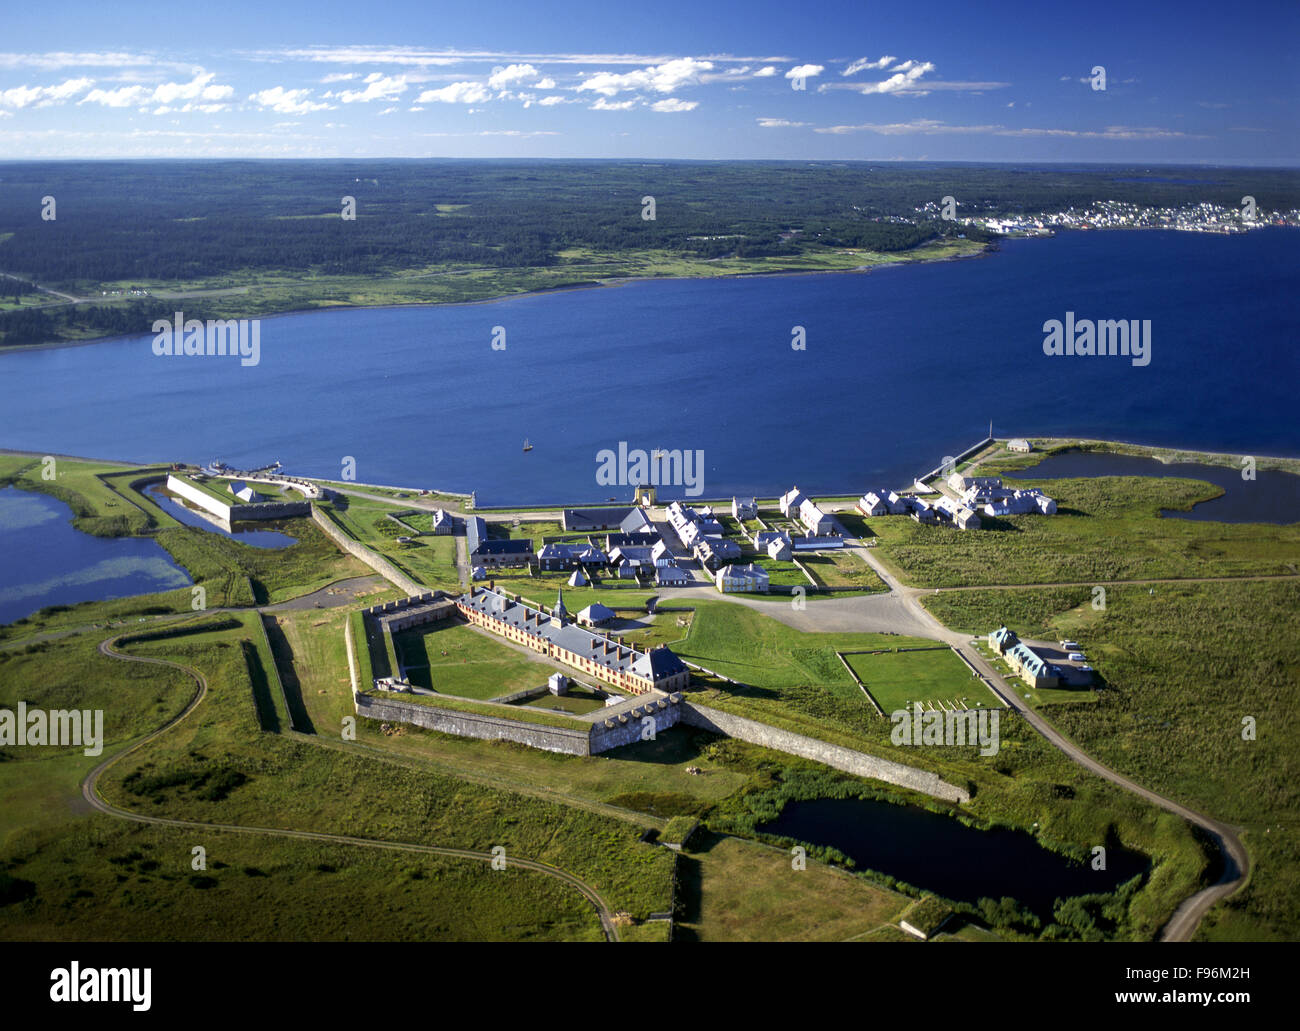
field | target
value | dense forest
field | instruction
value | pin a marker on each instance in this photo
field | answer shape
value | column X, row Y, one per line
column 159, row 222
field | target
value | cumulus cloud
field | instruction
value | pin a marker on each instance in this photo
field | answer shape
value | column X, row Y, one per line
column 863, row 64
column 766, row 72
column 673, row 105
column 287, row 101
column 378, row 87
column 551, row 100
column 805, row 71
column 198, row 88
column 904, row 80
column 662, row 78
column 123, row 96
column 604, row 104
column 512, row 75
column 43, row 96
column 456, row 93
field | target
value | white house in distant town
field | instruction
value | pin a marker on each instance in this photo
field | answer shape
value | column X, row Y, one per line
column 736, row 578
column 1020, row 444
column 819, row 524
column 790, row 502
column 744, row 508
column 872, row 504
column 442, row 522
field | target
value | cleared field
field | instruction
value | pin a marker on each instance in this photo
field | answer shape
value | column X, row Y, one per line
column 736, row 890
column 461, row 661
column 577, row 701
column 842, row 570
column 898, row 679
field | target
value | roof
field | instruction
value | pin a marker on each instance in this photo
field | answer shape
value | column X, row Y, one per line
column 477, row 542
column 614, row 656
column 636, row 521
column 596, row 613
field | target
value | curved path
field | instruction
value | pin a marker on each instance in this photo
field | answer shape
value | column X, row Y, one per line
column 90, row 791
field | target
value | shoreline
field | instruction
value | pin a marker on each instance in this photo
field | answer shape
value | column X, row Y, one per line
column 1172, row 456
column 986, row 250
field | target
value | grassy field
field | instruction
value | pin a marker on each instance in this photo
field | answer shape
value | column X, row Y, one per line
column 430, row 560
column 899, row 679
column 297, row 783
column 462, row 661
column 1183, row 666
column 737, row 890
column 1078, row 543
column 843, row 571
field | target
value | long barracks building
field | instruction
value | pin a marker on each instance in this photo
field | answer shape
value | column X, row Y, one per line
column 553, row 634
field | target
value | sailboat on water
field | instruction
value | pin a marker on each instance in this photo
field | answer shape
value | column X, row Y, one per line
column 527, row 446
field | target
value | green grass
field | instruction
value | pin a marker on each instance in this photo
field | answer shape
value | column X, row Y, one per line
column 429, row 560
column 899, row 679
column 843, row 571
column 1183, row 666
column 300, row 783
column 1078, row 543
column 475, row 665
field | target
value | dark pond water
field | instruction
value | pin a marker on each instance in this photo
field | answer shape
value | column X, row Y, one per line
column 1272, row 497
column 48, row 562
column 939, row 854
column 242, row 532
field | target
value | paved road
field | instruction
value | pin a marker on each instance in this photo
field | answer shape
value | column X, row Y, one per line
column 90, row 791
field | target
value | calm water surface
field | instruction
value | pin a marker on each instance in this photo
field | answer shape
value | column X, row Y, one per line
column 902, row 366
column 939, row 854
column 47, row 562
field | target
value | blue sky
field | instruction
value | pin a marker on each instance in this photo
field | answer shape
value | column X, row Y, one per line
column 960, row 81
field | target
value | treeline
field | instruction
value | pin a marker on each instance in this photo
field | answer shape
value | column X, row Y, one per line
column 127, row 221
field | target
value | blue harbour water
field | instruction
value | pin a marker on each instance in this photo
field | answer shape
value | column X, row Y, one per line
column 903, row 366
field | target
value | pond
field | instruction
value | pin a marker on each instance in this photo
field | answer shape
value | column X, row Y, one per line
column 1272, row 497
column 939, row 854
column 242, row 532
column 48, row 562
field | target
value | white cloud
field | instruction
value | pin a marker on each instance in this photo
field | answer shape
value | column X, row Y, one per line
column 551, row 100
column 90, row 59
column 547, row 83
column 780, row 123
column 862, row 64
column 200, row 87
column 388, row 111
column 602, row 104
column 931, row 127
column 662, row 78
column 766, row 72
column 456, row 93
column 923, row 126
column 123, row 96
column 512, row 75
column 338, row 77
column 287, row 101
column 43, row 96
column 378, row 87
column 905, row 79
column 673, row 105
column 805, row 71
